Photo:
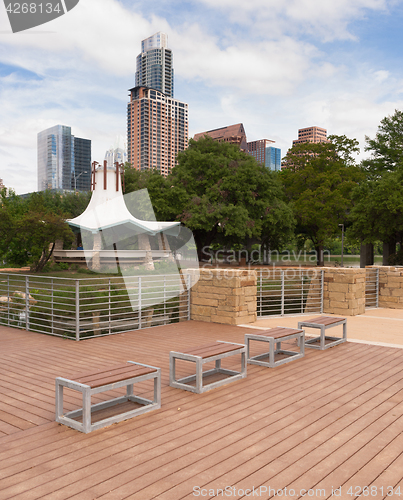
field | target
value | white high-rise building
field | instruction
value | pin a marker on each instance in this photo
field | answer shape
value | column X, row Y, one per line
column 154, row 66
column 117, row 152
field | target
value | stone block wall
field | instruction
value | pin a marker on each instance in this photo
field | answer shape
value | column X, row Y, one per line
column 224, row 296
column 391, row 287
column 344, row 291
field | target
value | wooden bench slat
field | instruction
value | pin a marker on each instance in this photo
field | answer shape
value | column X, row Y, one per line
column 324, row 320
column 112, row 375
column 87, row 373
column 278, row 332
column 214, row 349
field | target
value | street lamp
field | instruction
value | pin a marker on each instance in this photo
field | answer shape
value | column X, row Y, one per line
column 342, row 243
column 75, row 180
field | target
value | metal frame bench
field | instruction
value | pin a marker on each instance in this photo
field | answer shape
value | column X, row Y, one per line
column 324, row 322
column 114, row 377
column 274, row 336
column 205, row 354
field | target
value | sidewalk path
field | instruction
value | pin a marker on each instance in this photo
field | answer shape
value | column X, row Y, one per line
column 377, row 326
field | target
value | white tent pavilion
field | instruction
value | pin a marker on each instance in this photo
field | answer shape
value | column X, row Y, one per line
column 108, row 215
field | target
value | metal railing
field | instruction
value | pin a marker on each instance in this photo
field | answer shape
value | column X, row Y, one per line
column 289, row 291
column 371, row 287
column 92, row 307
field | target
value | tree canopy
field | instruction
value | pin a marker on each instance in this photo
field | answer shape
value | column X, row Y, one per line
column 318, row 181
column 224, row 196
column 29, row 227
column 378, row 211
column 387, row 147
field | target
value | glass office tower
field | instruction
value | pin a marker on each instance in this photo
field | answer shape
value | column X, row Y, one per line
column 265, row 154
column 64, row 161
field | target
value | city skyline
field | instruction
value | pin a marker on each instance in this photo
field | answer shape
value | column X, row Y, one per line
column 274, row 66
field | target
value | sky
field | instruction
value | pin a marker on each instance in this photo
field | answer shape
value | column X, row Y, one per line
column 273, row 65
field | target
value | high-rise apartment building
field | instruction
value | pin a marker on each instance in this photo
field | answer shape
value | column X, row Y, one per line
column 157, row 129
column 311, row 134
column 154, row 66
column 64, row 161
column 234, row 134
column 266, row 154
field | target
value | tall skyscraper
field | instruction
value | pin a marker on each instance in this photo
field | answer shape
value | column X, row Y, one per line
column 265, row 154
column 311, row 134
column 157, row 129
column 157, row 124
column 154, row 66
column 64, row 161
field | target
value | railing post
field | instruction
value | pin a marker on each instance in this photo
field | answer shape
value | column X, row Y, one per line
column 165, row 301
column 109, row 305
column 77, row 309
column 8, row 299
column 322, row 280
column 188, row 304
column 302, row 291
column 282, row 292
column 261, row 292
column 51, row 307
column 377, row 287
column 139, row 282
column 27, row 303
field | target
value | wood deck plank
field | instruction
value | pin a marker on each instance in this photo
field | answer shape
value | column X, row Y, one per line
column 271, row 426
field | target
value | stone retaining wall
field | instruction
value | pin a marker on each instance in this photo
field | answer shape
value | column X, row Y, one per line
column 224, row 296
column 390, row 287
column 344, row 291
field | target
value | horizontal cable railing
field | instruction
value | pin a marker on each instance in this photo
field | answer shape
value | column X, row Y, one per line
column 91, row 307
column 289, row 291
column 371, row 287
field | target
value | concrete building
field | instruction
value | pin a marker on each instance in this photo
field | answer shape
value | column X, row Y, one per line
column 157, row 129
column 64, row 161
column 154, row 65
column 234, row 134
column 266, row 154
column 311, row 134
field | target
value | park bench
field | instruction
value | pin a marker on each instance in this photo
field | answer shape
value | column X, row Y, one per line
column 324, row 341
column 201, row 355
column 95, row 382
column 274, row 337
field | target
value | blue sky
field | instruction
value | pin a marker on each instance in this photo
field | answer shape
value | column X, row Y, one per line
column 274, row 65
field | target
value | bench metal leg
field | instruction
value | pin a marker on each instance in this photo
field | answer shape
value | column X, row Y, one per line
column 59, row 400
column 322, row 337
column 199, row 375
column 86, row 410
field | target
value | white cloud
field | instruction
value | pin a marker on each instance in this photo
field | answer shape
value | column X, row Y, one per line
column 249, row 62
column 327, row 20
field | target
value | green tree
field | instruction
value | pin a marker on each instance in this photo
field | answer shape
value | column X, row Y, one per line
column 318, row 180
column 378, row 210
column 387, row 147
column 380, row 187
column 225, row 197
column 29, row 229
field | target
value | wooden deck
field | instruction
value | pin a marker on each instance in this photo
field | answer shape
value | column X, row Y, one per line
column 332, row 419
